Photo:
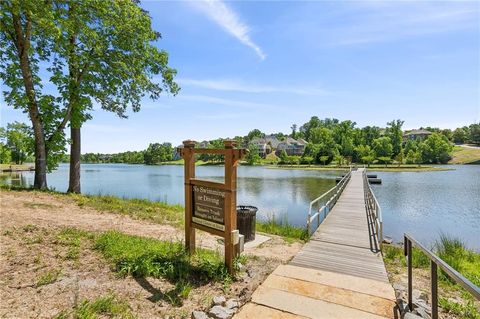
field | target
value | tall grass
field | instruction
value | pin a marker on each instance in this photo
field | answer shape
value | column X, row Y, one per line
column 282, row 227
column 455, row 253
column 450, row 249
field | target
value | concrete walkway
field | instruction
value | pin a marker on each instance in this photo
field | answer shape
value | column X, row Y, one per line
column 339, row 273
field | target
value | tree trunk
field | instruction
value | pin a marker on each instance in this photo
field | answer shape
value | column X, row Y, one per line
column 75, row 151
column 22, row 43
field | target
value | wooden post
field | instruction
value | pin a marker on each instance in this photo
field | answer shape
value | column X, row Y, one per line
column 189, row 158
column 230, row 204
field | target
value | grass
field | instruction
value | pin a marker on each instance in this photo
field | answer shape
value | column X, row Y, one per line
column 107, row 306
column 467, row 311
column 137, row 208
column 48, row 278
column 144, row 257
column 72, row 238
column 465, row 155
column 282, row 228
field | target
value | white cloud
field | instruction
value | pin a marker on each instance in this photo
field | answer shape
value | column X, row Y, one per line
column 383, row 21
column 227, row 102
column 240, row 86
column 225, row 17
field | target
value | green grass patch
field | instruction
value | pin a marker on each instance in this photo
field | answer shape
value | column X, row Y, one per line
column 72, row 238
column 465, row 155
column 142, row 257
column 48, row 278
column 395, row 254
column 108, row 306
column 282, row 227
column 137, row 208
column 467, row 311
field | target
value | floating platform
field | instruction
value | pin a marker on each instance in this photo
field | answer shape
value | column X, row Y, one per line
column 375, row 180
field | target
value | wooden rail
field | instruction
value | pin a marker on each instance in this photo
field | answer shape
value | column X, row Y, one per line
column 323, row 211
column 435, row 262
column 374, row 210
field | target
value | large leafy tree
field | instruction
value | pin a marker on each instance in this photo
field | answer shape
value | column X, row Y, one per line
column 19, row 141
column 104, row 53
column 25, row 28
column 395, row 133
column 436, row 149
column 158, row 153
column 383, row 147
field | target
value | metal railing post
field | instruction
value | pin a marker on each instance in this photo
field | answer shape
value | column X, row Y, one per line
column 409, row 266
column 434, row 288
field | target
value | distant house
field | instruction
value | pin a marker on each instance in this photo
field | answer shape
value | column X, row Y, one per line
column 416, row 135
column 265, row 145
column 176, row 153
column 204, row 144
column 292, row 147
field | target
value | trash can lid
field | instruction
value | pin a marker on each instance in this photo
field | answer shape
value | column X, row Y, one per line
column 246, row 209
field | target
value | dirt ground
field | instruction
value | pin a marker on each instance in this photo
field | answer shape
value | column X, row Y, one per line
column 29, row 250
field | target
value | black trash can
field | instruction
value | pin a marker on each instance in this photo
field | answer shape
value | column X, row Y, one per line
column 246, row 218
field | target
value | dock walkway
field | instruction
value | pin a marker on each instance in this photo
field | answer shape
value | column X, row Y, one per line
column 339, row 273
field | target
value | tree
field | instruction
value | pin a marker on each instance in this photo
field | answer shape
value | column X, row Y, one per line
column 414, row 157
column 255, row 133
column 253, row 157
column 395, row 133
column 460, row 135
column 436, row 149
column 474, row 133
column 24, row 28
column 19, row 141
column 294, row 131
column 365, row 154
column 158, row 153
column 383, row 148
column 103, row 52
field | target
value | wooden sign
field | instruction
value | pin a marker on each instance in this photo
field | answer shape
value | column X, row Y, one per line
column 211, row 206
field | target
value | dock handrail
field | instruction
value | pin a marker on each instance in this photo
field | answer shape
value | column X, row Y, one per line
column 373, row 208
column 325, row 209
column 435, row 262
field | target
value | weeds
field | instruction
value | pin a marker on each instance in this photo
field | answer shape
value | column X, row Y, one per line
column 101, row 307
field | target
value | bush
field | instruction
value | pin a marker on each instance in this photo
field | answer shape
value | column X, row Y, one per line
column 308, row 160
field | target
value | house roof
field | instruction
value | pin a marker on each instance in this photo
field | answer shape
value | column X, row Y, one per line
column 418, row 132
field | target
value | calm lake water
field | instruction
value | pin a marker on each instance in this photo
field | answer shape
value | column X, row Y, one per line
column 424, row 204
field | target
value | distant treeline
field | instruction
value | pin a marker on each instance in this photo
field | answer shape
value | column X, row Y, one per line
column 327, row 140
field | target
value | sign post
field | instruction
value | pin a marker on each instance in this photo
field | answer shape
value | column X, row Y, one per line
column 211, row 206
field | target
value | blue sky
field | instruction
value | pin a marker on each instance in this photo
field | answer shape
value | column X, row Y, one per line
column 269, row 64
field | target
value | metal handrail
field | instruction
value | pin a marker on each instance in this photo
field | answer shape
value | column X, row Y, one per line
column 373, row 208
column 435, row 262
column 325, row 209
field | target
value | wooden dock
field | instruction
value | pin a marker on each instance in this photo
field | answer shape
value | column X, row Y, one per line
column 339, row 273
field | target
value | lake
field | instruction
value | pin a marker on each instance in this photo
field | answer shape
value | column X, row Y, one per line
column 422, row 203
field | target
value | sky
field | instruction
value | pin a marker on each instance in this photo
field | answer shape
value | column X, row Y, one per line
column 270, row 64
